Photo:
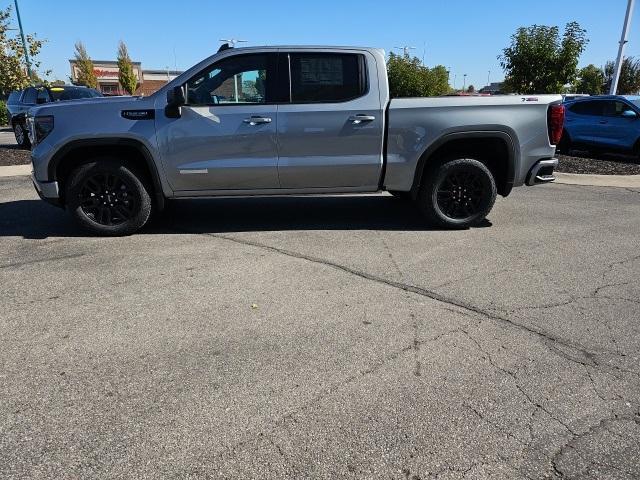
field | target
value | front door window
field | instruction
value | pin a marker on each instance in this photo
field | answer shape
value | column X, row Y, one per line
column 232, row 81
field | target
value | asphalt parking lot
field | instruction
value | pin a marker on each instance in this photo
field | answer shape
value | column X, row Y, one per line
column 323, row 338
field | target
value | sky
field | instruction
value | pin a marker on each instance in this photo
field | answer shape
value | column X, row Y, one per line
column 465, row 36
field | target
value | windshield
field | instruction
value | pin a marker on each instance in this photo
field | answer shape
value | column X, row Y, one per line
column 636, row 103
column 72, row 93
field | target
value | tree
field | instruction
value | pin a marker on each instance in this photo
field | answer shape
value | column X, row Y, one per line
column 629, row 82
column 471, row 89
column 126, row 75
column 590, row 80
column 85, row 74
column 13, row 72
column 539, row 61
column 409, row 78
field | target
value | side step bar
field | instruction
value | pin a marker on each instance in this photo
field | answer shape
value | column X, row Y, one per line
column 542, row 172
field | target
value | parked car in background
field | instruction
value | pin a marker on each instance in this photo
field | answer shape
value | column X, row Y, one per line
column 20, row 101
column 567, row 97
column 607, row 122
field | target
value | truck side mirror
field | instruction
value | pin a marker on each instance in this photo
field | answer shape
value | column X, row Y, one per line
column 175, row 99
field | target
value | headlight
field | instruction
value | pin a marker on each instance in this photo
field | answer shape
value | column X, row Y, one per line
column 42, row 126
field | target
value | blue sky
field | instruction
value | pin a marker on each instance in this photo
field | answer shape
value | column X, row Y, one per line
column 465, row 36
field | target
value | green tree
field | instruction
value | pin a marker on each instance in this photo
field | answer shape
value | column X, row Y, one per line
column 13, row 71
column 409, row 78
column 471, row 89
column 540, row 61
column 85, row 74
column 126, row 75
column 590, row 80
column 629, row 82
column 4, row 113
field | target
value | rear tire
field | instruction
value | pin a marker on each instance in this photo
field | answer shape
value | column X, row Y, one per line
column 457, row 193
column 22, row 136
column 108, row 197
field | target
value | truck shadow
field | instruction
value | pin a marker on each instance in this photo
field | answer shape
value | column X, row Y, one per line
column 34, row 219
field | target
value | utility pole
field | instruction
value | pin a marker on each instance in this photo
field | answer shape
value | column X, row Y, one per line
column 405, row 49
column 464, row 83
column 24, row 42
column 623, row 42
column 489, row 78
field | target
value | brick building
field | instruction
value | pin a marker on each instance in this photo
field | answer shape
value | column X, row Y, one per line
column 149, row 81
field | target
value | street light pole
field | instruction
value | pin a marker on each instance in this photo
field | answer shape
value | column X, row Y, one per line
column 623, row 42
column 24, row 42
column 464, row 82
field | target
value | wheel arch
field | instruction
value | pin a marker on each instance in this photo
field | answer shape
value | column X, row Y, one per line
column 80, row 151
column 495, row 148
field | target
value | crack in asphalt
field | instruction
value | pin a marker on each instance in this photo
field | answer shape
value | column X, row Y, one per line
column 433, row 295
column 555, row 344
column 43, row 260
column 602, row 424
column 514, row 377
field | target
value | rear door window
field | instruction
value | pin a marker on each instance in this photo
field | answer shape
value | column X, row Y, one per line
column 14, row 97
column 327, row 77
column 30, row 96
column 43, row 96
column 587, row 108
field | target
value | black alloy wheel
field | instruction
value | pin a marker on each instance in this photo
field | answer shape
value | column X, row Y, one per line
column 108, row 199
column 457, row 193
column 109, row 196
column 460, row 194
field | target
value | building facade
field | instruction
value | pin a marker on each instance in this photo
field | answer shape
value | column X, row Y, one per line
column 149, row 81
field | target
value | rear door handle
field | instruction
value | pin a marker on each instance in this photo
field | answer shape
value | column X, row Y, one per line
column 358, row 119
column 257, row 120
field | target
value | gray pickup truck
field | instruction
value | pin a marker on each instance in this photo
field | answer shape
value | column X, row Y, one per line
column 289, row 120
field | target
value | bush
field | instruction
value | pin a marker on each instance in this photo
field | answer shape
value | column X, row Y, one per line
column 4, row 113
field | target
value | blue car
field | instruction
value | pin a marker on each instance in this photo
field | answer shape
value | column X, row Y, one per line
column 603, row 123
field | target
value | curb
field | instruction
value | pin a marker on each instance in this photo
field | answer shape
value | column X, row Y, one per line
column 620, row 181
column 15, row 170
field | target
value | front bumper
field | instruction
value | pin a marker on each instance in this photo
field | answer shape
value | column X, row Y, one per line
column 542, row 172
column 47, row 191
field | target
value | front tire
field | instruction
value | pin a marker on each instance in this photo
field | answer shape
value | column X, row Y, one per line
column 457, row 193
column 22, row 137
column 108, row 197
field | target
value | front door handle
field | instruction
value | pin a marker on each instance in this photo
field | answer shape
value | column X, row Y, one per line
column 602, row 122
column 257, row 120
column 358, row 119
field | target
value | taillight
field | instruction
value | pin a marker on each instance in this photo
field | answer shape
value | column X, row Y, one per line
column 555, row 123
